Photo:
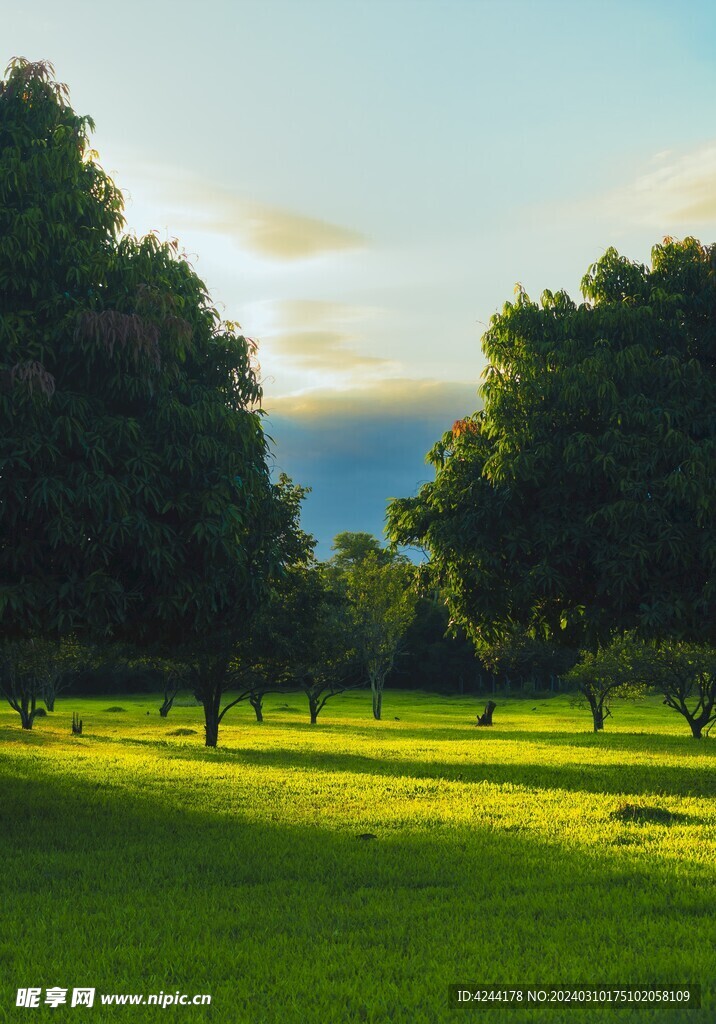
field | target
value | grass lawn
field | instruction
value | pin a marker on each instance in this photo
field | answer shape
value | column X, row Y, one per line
column 137, row 861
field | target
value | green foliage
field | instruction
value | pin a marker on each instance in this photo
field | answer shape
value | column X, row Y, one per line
column 134, row 493
column 32, row 670
column 580, row 499
column 434, row 657
column 683, row 672
column 300, row 639
column 350, row 549
column 524, row 658
column 607, row 675
column 382, row 597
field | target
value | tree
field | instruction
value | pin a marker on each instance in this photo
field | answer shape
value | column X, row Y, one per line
column 580, row 499
column 684, row 673
column 55, row 660
column 20, row 681
column 135, row 497
column 382, row 598
column 350, row 549
column 229, row 656
column 301, row 640
column 330, row 665
column 33, row 670
column 175, row 675
column 606, row 675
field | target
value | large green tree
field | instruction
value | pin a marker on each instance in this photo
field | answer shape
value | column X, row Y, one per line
column 581, row 498
column 135, row 498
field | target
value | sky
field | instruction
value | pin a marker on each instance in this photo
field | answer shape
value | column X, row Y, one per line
column 362, row 184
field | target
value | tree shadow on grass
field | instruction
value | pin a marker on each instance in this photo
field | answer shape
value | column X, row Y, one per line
column 681, row 743
column 285, row 922
column 655, row 779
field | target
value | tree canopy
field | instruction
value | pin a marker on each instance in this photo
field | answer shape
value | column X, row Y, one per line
column 581, row 498
column 135, row 496
column 350, row 549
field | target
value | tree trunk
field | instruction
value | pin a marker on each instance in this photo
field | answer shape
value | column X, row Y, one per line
column 27, row 716
column 257, row 703
column 597, row 716
column 313, row 709
column 696, row 728
column 169, row 698
column 212, row 682
column 49, row 700
column 212, row 705
column 377, row 701
column 211, row 723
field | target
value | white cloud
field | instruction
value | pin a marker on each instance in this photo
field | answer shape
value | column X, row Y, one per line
column 680, row 192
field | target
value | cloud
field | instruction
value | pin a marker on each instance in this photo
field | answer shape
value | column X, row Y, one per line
column 396, row 398
column 681, row 191
column 309, row 313
column 317, row 335
column 324, row 350
column 360, row 447
column 268, row 231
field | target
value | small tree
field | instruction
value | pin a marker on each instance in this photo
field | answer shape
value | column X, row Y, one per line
column 685, row 674
column 56, row 660
column 319, row 692
column 177, row 676
column 21, row 679
column 605, row 675
column 301, row 639
column 252, row 687
column 382, row 600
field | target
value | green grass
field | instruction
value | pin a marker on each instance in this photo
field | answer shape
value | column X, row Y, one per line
column 135, row 860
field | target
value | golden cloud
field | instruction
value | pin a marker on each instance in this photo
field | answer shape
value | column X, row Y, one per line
column 267, row 231
column 323, row 350
column 301, row 314
column 391, row 398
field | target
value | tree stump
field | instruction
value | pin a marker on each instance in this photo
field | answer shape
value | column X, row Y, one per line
column 486, row 717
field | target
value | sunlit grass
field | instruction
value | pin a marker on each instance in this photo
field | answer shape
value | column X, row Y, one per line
column 142, row 861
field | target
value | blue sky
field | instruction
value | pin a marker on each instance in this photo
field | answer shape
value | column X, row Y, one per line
column 362, row 184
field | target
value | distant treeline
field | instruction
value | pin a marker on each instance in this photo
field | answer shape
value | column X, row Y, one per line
column 430, row 661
